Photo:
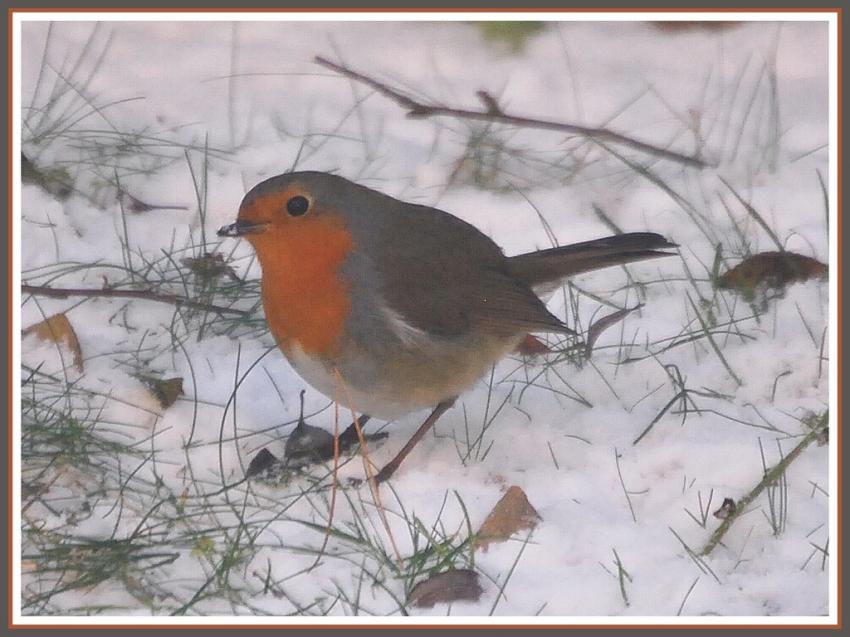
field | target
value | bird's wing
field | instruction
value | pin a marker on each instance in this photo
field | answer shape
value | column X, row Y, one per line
column 445, row 277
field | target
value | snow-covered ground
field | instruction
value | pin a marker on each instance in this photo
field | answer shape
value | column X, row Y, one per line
column 751, row 98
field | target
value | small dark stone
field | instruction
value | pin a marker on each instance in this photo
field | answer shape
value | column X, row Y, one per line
column 308, row 443
column 311, row 444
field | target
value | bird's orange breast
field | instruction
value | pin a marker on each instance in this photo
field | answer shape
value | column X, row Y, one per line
column 306, row 300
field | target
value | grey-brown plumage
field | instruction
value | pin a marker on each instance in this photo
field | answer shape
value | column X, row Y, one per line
column 431, row 301
column 555, row 264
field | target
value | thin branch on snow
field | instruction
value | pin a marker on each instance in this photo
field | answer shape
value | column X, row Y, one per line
column 770, row 476
column 493, row 113
column 147, row 295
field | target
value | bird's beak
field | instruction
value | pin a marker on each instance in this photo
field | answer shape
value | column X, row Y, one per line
column 241, row 228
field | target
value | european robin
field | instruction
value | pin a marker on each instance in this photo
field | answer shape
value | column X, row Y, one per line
column 390, row 307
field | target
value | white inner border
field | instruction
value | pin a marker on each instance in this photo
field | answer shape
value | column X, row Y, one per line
column 283, row 16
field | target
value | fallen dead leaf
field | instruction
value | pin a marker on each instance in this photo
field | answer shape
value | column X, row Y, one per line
column 511, row 514
column 449, row 586
column 165, row 390
column 57, row 328
column 771, row 270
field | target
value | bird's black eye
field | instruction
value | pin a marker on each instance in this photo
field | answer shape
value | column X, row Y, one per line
column 297, row 206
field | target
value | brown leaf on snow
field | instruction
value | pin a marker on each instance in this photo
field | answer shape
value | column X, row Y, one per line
column 57, row 329
column 165, row 390
column 450, row 586
column 511, row 514
column 771, row 270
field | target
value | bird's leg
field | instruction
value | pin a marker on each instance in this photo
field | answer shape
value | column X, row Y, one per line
column 393, row 464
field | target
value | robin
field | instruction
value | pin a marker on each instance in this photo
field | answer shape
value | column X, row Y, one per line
column 390, row 307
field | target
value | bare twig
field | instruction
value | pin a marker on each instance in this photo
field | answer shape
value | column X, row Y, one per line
column 770, row 476
column 147, row 295
column 492, row 113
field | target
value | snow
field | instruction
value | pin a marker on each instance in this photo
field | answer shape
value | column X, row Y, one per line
column 252, row 93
